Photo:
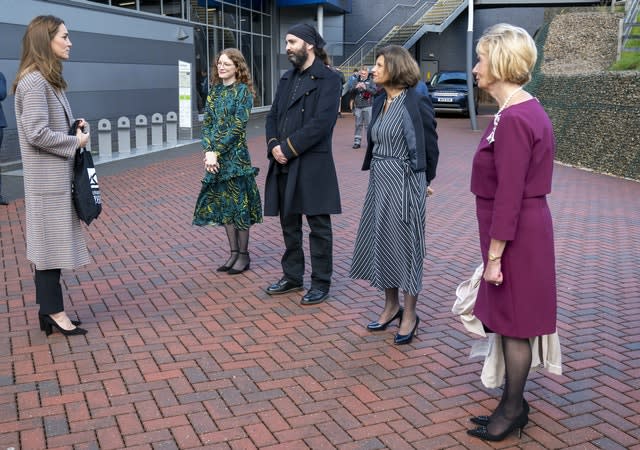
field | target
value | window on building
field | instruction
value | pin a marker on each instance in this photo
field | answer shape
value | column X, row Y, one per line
column 219, row 24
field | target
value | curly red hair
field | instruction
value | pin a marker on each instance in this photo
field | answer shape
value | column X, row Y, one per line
column 242, row 75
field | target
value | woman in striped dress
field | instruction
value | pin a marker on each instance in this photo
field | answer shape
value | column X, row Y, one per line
column 402, row 154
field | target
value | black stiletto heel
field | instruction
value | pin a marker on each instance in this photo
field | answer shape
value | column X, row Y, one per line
column 484, row 420
column 401, row 339
column 50, row 324
column 42, row 322
column 377, row 326
column 230, row 262
column 518, row 424
column 233, row 271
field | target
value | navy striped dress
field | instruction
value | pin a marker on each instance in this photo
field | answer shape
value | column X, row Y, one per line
column 390, row 244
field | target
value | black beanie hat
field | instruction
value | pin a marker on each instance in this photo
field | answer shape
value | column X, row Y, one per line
column 308, row 34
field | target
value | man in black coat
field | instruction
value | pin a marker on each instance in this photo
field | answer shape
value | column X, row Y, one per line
column 302, row 176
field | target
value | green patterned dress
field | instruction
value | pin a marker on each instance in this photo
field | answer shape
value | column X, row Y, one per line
column 230, row 196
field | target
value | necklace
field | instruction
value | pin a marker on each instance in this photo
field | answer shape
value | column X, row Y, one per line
column 496, row 118
column 506, row 102
column 390, row 98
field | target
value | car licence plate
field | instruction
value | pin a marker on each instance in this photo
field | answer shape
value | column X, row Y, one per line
column 445, row 100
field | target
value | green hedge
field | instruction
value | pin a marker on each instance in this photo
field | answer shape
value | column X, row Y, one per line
column 596, row 117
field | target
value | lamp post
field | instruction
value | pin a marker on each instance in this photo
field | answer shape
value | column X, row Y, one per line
column 471, row 101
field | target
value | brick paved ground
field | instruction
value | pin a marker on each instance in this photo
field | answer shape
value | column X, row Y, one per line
column 179, row 356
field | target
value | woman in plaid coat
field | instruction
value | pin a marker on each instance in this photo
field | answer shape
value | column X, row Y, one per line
column 54, row 235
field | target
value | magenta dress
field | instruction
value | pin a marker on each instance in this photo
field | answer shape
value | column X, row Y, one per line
column 511, row 177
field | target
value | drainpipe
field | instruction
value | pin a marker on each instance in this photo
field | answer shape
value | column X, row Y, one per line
column 471, row 101
column 321, row 20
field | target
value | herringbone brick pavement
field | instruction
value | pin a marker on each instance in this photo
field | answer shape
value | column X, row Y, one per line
column 180, row 356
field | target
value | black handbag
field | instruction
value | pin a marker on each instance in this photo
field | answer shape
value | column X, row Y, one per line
column 85, row 188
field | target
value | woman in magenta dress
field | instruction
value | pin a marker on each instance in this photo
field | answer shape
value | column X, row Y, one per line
column 511, row 176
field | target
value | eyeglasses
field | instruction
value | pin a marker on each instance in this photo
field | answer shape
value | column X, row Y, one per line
column 224, row 64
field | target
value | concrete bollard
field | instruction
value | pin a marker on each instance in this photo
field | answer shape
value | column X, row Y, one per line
column 156, row 129
column 141, row 132
column 104, row 137
column 124, row 135
column 172, row 128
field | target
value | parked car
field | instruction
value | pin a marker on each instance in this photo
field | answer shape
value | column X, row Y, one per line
column 449, row 92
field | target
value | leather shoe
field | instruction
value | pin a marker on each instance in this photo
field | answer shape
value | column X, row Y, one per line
column 356, row 146
column 282, row 287
column 314, row 296
column 3, row 201
column 377, row 326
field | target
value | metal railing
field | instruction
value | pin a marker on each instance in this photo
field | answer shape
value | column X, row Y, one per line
column 430, row 13
column 367, row 46
column 629, row 27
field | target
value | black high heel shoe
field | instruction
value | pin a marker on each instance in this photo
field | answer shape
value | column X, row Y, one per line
column 42, row 322
column 233, row 271
column 401, row 339
column 518, row 424
column 377, row 326
column 484, row 420
column 50, row 324
column 230, row 262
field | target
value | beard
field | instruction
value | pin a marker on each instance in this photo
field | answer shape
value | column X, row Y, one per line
column 298, row 57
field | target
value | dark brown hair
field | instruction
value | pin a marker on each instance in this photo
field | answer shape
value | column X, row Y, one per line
column 323, row 55
column 37, row 54
column 242, row 69
column 402, row 69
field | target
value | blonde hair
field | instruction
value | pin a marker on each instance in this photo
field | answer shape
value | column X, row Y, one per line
column 242, row 69
column 403, row 70
column 37, row 54
column 510, row 51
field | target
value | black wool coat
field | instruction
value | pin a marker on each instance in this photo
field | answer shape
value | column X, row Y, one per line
column 303, row 127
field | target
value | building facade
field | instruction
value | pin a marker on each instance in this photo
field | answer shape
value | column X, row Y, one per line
column 126, row 54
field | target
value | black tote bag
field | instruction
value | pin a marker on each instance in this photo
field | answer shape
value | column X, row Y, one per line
column 85, row 189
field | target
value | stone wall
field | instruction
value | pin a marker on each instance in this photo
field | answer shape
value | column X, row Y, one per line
column 596, row 119
column 595, row 112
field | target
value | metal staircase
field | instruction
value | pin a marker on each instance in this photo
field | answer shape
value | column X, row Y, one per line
column 629, row 34
column 437, row 17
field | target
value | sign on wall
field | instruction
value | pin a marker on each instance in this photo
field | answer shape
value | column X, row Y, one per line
column 184, row 94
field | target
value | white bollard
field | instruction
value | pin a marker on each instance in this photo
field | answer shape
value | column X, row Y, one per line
column 124, row 135
column 141, row 132
column 172, row 128
column 156, row 129
column 104, row 138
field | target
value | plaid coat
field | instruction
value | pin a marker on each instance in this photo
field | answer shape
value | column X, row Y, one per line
column 55, row 238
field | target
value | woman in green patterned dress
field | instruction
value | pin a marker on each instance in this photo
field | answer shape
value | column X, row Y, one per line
column 229, row 194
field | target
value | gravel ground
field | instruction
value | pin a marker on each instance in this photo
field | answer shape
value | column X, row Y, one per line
column 581, row 43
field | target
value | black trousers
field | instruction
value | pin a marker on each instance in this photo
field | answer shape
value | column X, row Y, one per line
column 49, row 291
column 320, row 245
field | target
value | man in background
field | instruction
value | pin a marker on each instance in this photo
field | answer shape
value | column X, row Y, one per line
column 362, row 92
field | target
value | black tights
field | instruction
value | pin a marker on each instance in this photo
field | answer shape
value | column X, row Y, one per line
column 517, row 360
column 238, row 247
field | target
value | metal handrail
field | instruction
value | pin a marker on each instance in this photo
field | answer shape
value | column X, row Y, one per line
column 397, row 31
column 626, row 26
column 348, row 62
